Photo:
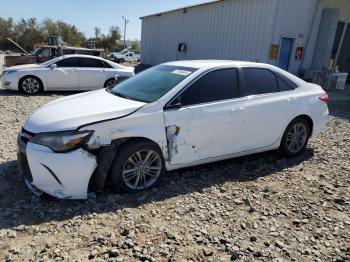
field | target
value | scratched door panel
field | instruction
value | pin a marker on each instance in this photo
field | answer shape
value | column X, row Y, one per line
column 204, row 131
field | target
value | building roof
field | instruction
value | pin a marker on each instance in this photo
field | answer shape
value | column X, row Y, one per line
column 181, row 8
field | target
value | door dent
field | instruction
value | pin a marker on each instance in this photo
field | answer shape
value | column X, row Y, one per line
column 172, row 133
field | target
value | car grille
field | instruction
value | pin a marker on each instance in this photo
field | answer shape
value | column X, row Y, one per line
column 23, row 139
column 24, row 166
column 25, row 135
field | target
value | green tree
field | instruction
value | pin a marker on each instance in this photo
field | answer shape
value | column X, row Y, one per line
column 135, row 45
column 28, row 32
column 114, row 36
column 6, row 30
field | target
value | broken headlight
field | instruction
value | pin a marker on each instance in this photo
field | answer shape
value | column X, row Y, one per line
column 62, row 141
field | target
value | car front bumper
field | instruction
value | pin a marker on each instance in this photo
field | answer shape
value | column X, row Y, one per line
column 9, row 81
column 62, row 175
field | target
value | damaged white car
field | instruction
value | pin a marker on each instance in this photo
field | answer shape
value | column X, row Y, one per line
column 171, row 116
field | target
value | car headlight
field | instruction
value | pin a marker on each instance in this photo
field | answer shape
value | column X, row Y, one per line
column 62, row 141
column 7, row 72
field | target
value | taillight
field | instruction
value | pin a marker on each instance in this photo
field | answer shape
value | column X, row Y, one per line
column 324, row 97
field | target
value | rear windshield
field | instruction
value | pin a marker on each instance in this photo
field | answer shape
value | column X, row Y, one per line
column 153, row 83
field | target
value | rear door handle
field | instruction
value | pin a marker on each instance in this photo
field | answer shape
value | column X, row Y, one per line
column 291, row 99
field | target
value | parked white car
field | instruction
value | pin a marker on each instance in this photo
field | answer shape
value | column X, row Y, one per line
column 68, row 73
column 114, row 56
column 171, row 116
column 132, row 57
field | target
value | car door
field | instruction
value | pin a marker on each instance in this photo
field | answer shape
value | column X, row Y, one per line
column 204, row 120
column 129, row 57
column 93, row 73
column 65, row 76
column 269, row 107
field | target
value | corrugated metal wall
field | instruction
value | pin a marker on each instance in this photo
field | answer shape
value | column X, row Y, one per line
column 236, row 29
column 294, row 19
column 231, row 29
column 344, row 16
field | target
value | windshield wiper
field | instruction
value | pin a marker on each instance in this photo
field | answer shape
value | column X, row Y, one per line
column 109, row 90
column 121, row 95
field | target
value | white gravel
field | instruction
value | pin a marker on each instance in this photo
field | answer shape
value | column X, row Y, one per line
column 257, row 208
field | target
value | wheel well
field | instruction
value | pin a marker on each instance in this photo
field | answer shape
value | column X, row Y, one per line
column 105, row 157
column 309, row 120
column 23, row 77
column 138, row 139
column 107, row 81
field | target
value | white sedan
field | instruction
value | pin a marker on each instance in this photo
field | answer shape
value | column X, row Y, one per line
column 171, row 116
column 65, row 73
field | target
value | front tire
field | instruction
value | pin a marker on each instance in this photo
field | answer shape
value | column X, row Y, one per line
column 138, row 166
column 295, row 138
column 30, row 85
column 111, row 83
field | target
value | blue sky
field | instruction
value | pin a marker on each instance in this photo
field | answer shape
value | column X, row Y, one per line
column 86, row 14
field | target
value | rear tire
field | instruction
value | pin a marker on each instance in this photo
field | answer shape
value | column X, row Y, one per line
column 138, row 166
column 30, row 85
column 295, row 137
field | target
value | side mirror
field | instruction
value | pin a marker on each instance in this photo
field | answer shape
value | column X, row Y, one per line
column 175, row 104
column 53, row 66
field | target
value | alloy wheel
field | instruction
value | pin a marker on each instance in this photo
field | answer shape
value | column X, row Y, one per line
column 30, row 85
column 296, row 137
column 142, row 169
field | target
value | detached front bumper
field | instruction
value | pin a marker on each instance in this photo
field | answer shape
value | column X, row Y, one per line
column 62, row 175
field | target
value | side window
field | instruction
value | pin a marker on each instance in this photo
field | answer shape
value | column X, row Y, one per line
column 46, row 52
column 89, row 62
column 214, row 86
column 285, row 84
column 106, row 65
column 68, row 62
column 260, row 81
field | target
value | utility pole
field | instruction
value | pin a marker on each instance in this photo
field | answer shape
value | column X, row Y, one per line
column 126, row 21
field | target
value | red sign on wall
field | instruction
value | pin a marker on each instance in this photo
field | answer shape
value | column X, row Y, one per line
column 299, row 53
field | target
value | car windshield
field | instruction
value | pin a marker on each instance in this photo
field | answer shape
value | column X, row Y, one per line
column 36, row 52
column 153, row 83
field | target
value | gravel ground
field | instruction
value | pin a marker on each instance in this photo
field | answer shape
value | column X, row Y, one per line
column 257, row 208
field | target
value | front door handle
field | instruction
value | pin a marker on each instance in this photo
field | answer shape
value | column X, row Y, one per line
column 237, row 110
column 291, row 99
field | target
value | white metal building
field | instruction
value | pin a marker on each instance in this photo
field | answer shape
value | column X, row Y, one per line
column 296, row 35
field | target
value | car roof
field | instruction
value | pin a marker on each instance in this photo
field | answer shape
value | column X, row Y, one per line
column 82, row 56
column 215, row 63
column 212, row 64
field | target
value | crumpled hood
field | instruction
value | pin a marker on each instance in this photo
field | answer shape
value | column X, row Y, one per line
column 19, row 67
column 70, row 112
